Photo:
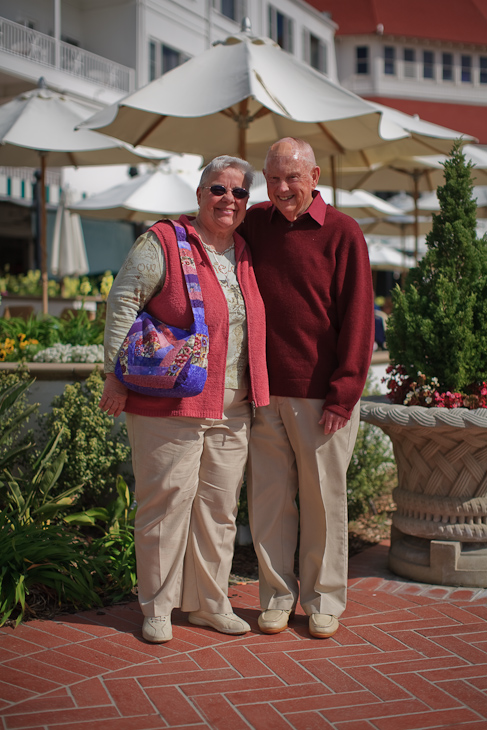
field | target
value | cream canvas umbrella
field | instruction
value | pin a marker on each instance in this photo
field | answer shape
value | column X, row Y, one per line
column 401, row 225
column 240, row 96
column 37, row 129
column 356, row 203
column 429, row 201
column 387, row 258
column 245, row 93
column 414, row 175
column 68, row 256
column 152, row 195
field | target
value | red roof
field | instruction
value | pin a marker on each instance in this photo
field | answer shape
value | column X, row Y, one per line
column 445, row 20
column 468, row 119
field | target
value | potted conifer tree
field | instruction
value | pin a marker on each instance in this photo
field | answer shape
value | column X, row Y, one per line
column 437, row 414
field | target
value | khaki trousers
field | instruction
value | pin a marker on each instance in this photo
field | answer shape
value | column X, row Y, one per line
column 188, row 474
column 289, row 452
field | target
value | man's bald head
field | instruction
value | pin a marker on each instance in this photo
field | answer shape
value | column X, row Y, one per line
column 291, row 174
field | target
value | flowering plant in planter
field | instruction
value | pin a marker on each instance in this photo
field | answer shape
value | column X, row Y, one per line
column 436, row 333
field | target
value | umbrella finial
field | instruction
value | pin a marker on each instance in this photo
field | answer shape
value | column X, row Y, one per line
column 246, row 25
column 41, row 84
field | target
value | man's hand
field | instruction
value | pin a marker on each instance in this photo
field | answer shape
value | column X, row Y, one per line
column 114, row 396
column 332, row 422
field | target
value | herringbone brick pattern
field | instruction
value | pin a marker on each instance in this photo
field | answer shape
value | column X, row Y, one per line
column 407, row 657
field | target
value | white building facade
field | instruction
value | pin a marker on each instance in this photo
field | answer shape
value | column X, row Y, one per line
column 97, row 51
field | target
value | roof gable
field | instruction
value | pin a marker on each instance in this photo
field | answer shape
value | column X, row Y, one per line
column 446, row 20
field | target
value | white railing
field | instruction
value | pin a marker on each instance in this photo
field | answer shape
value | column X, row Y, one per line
column 30, row 44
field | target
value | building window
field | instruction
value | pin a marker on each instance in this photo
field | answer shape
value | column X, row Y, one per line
column 428, row 65
column 281, row 29
column 316, row 52
column 152, row 61
column 466, row 73
column 389, row 60
column 362, row 59
column 447, row 66
column 163, row 58
column 409, row 63
column 230, row 9
column 483, row 69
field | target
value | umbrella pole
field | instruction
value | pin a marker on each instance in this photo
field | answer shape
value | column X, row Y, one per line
column 333, row 179
column 242, row 129
column 416, row 175
column 43, row 236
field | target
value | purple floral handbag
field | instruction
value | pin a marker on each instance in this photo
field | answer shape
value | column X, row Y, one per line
column 164, row 361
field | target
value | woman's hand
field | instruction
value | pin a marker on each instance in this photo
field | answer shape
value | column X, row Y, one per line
column 114, row 396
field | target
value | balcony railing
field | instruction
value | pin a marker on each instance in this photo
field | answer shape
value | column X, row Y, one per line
column 44, row 50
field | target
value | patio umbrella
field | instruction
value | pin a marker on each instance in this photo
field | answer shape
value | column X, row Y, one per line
column 429, row 202
column 414, row 175
column 387, row 258
column 245, row 93
column 68, row 257
column 397, row 225
column 240, row 96
column 37, row 129
column 159, row 192
column 356, row 203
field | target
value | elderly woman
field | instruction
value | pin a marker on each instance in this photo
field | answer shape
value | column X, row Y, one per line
column 189, row 454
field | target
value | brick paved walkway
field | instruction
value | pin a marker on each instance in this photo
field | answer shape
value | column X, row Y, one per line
column 407, row 656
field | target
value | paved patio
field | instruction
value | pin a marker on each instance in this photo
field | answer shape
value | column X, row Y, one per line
column 407, row 656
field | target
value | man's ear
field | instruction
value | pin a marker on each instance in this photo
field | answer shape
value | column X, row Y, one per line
column 315, row 175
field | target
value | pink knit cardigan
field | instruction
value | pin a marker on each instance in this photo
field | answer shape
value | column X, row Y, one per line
column 172, row 305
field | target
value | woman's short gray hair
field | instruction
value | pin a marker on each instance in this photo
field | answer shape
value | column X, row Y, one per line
column 218, row 164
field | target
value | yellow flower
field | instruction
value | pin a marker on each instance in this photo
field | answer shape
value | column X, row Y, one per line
column 85, row 288
column 106, row 285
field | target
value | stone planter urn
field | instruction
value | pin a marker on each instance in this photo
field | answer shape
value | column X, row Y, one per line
column 439, row 529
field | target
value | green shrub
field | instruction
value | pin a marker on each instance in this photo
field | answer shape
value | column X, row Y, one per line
column 437, row 326
column 95, row 449
column 15, row 439
column 21, row 339
column 78, row 329
column 372, row 469
column 49, row 559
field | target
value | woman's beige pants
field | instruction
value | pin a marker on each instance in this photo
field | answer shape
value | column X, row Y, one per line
column 188, row 473
column 289, row 454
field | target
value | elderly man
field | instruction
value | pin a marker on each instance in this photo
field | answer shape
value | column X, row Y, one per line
column 313, row 271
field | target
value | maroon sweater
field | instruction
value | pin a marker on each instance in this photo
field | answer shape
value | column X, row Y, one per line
column 314, row 277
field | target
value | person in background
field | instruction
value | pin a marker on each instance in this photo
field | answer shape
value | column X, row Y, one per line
column 312, row 267
column 189, row 454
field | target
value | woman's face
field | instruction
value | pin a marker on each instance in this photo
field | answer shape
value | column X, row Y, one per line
column 222, row 213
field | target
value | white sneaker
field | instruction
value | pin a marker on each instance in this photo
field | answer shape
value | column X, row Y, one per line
column 225, row 623
column 157, row 629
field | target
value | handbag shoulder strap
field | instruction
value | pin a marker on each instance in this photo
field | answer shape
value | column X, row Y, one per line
column 190, row 274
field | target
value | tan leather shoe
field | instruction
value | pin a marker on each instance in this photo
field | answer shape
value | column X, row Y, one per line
column 157, row 629
column 322, row 625
column 225, row 623
column 274, row 620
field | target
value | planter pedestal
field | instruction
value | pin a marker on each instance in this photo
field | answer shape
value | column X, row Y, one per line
column 439, row 531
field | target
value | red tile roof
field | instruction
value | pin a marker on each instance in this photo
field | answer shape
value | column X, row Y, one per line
column 468, row 119
column 458, row 21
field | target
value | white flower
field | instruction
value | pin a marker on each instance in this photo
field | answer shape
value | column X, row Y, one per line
column 71, row 353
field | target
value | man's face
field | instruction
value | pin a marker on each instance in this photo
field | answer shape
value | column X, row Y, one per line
column 290, row 183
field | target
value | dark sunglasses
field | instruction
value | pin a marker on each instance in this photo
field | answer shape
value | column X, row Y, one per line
column 219, row 190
